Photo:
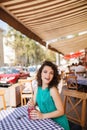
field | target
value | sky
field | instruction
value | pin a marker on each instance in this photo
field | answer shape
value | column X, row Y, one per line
column 3, row 25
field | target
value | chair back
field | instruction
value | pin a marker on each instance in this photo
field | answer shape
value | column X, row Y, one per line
column 25, row 84
column 71, row 73
column 72, row 82
column 75, row 106
column 81, row 74
column 26, row 90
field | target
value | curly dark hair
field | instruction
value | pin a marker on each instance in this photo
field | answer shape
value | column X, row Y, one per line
column 56, row 76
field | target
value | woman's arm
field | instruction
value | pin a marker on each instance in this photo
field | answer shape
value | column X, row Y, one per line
column 58, row 103
column 35, row 114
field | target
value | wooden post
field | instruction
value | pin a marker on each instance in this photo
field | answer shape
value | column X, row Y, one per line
column 83, row 114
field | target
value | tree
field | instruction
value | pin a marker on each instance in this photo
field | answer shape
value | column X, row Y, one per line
column 27, row 51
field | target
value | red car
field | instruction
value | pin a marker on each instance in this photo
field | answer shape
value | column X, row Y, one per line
column 9, row 76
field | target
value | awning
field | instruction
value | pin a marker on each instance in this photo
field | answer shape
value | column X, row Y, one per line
column 49, row 21
column 74, row 55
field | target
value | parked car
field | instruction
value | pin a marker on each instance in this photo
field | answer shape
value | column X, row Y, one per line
column 9, row 76
column 32, row 70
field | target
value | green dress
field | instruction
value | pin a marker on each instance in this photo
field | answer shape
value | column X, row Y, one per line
column 46, row 105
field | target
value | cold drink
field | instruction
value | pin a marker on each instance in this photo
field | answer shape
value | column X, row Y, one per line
column 29, row 111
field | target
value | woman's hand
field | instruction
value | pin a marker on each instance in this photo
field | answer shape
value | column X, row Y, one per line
column 35, row 114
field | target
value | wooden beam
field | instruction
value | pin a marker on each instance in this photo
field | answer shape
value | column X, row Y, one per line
column 20, row 27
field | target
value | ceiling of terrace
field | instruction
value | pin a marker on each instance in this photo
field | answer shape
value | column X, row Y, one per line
column 49, row 22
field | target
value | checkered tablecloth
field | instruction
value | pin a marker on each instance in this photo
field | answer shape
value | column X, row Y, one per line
column 17, row 119
column 82, row 81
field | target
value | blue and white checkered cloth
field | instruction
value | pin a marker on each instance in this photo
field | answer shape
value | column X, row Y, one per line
column 82, row 81
column 17, row 119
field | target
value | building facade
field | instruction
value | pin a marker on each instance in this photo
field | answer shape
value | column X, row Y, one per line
column 7, row 54
column 1, row 48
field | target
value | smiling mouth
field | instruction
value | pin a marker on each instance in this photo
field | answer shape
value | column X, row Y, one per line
column 47, row 78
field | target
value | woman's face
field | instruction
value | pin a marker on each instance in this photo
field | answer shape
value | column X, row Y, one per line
column 47, row 74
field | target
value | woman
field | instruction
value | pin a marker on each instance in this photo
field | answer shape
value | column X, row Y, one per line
column 47, row 96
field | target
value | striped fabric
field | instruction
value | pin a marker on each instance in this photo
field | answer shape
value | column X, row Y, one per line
column 17, row 119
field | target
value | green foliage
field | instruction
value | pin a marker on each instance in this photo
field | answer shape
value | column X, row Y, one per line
column 27, row 51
